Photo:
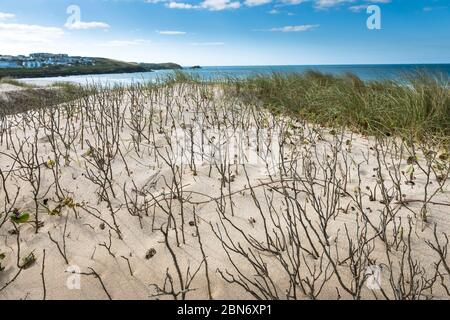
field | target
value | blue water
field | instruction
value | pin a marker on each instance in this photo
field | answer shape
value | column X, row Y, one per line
column 365, row 72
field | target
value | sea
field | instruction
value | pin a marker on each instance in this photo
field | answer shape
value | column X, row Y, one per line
column 365, row 72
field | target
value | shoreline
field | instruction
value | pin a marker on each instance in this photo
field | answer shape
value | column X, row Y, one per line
column 99, row 66
column 365, row 72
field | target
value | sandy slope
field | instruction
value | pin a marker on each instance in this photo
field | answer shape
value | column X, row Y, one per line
column 145, row 175
column 5, row 87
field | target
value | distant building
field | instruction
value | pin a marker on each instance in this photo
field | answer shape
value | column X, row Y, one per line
column 9, row 64
column 38, row 60
column 32, row 64
column 7, row 58
column 43, row 55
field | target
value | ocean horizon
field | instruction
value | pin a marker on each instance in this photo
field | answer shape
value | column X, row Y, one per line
column 367, row 72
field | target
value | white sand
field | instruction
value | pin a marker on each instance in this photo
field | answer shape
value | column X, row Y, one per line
column 311, row 147
column 6, row 87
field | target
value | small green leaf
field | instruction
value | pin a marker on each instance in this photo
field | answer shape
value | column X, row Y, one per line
column 22, row 218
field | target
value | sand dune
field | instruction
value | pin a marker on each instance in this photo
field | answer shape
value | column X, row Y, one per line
column 185, row 192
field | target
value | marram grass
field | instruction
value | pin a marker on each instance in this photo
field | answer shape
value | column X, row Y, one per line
column 416, row 105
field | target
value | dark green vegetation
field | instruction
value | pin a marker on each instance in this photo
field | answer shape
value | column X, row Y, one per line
column 417, row 105
column 160, row 66
column 100, row 66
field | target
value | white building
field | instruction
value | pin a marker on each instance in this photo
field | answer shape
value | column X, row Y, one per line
column 38, row 60
column 32, row 64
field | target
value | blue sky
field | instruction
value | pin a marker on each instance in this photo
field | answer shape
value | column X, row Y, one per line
column 231, row 32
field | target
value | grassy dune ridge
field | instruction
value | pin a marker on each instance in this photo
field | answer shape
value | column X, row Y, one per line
column 417, row 105
column 29, row 97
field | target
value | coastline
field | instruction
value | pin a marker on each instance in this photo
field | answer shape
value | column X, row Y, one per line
column 98, row 66
column 365, row 72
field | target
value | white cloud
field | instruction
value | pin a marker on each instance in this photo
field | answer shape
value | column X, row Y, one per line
column 171, row 32
column 80, row 25
column 358, row 8
column 300, row 28
column 293, row 2
column 254, row 3
column 323, row 4
column 5, row 16
column 429, row 9
column 124, row 43
column 211, row 5
column 217, row 5
column 180, row 5
column 274, row 11
column 14, row 32
column 207, row 43
column 362, row 7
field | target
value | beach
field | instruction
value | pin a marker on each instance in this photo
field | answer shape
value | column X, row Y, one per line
column 184, row 191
